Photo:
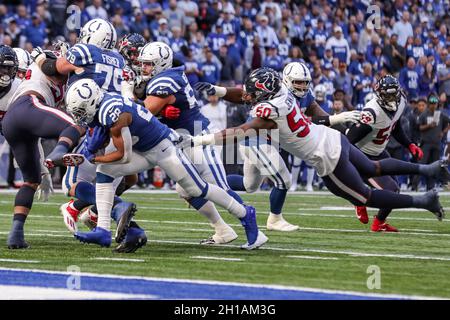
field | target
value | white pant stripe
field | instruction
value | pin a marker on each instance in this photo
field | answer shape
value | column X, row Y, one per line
column 346, row 189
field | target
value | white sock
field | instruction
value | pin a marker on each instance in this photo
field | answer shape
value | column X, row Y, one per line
column 310, row 176
column 209, row 210
column 104, row 194
column 294, row 175
column 223, row 199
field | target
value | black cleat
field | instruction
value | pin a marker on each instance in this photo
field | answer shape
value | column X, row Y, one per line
column 439, row 171
column 16, row 240
column 135, row 239
column 434, row 205
column 126, row 211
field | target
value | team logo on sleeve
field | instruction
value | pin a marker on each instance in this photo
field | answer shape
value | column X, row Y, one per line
column 367, row 117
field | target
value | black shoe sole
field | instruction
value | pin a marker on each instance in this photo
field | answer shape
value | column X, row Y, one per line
column 130, row 248
column 124, row 223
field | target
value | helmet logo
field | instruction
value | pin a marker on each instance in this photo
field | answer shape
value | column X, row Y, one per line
column 261, row 86
column 167, row 53
column 85, row 85
column 91, row 25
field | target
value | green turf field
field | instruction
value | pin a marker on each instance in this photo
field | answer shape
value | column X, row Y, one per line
column 333, row 250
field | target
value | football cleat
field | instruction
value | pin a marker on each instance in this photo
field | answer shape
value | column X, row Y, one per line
column 434, row 205
column 381, row 226
column 134, row 239
column 122, row 214
column 250, row 226
column 439, row 171
column 16, row 240
column 277, row 223
column 260, row 240
column 361, row 214
column 226, row 236
column 72, row 159
column 89, row 218
column 98, row 236
column 70, row 216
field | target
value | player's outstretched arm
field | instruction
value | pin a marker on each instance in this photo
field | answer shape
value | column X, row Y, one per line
column 247, row 129
column 155, row 104
column 121, row 139
column 320, row 116
column 230, row 94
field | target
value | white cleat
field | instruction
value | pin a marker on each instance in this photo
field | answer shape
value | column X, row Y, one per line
column 221, row 238
column 293, row 188
column 279, row 224
column 260, row 240
column 89, row 218
column 70, row 216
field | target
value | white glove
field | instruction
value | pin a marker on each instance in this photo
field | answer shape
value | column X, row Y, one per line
column 187, row 141
column 38, row 55
column 45, row 188
column 343, row 117
column 62, row 47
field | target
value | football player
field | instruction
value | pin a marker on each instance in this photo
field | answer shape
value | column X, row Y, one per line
column 379, row 121
column 93, row 57
column 24, row 62
column 341, row 165
column 169, row 94
column 262, row 158
column 33, row 114
column 155, row 146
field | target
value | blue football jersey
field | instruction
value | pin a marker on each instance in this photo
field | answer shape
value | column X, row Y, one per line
column 174, row 82
column 306, row 101
column 103, row 66
column 144, row 125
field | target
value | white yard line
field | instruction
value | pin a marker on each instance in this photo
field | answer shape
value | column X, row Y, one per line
column 217, row 258
column 313, row 257
column 19, row 261
column 117, row 259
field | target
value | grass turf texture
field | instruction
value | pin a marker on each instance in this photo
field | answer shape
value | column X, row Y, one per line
column 409, row 260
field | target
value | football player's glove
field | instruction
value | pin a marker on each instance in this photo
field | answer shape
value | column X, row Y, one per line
column 416, row 151
column 38, row 55
column 205, row 87
column 170, row 112
column 343, row 117
column 97, row 139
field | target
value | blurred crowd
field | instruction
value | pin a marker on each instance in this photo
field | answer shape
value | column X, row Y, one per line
column 347, row 44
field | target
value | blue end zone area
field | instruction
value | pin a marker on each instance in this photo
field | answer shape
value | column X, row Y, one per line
column 171, row 289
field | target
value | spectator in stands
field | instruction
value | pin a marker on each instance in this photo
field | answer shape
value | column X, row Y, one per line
column 139, row 24
column 96, row 10
column 163, row 33
column 190, row 9
column 227, row 69
column 174, row 15
column 273, row 60
column 363, row 85
column 395, row 55
column 16, row 34
column 210, row 71
column 343, row 80
column 339, row 45
column 427, row 80
column 266, row 33
column 216, row 112
column 254, row 55
column 403, row 28
column 433, row 124
column 444, row 78
column 409, row 79
column 35, row 32
column 192, row 71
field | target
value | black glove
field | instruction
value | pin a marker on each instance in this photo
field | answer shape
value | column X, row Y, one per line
column 205, row 87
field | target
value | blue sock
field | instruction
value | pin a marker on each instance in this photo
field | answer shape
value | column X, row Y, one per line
column 197, row 202
column 18, row 222
column 277, row 197
column 236, row 182
column 85, row 191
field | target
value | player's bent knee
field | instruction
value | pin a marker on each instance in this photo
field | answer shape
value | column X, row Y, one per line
column 24, row 197
column 189, row 186
column 107, row 171
column 250, row 186
column 183, row 194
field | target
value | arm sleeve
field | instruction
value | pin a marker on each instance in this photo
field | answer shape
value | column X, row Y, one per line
column 399, row 134
column 357, row 132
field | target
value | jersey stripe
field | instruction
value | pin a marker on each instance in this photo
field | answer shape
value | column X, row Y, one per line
column 162, row 86
column 176, row 85
column 81, row 54
column 347, row 190
column 56, row 112
column 87, row 52
column 106, row 108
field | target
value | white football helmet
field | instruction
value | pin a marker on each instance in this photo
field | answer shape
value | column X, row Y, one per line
column 24, row 59
column 82, row 100
column 297, row 78
column 320, row 92
column 100, row 33
column 159, row 54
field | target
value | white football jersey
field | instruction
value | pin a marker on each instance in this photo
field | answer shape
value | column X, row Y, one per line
column 318, row 145
column 5, row 100
column 382, row 123
column 36, row 80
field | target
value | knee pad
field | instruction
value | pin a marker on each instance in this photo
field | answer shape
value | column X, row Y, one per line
column 24, row 197
column 250, row 186
column 191, row 189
